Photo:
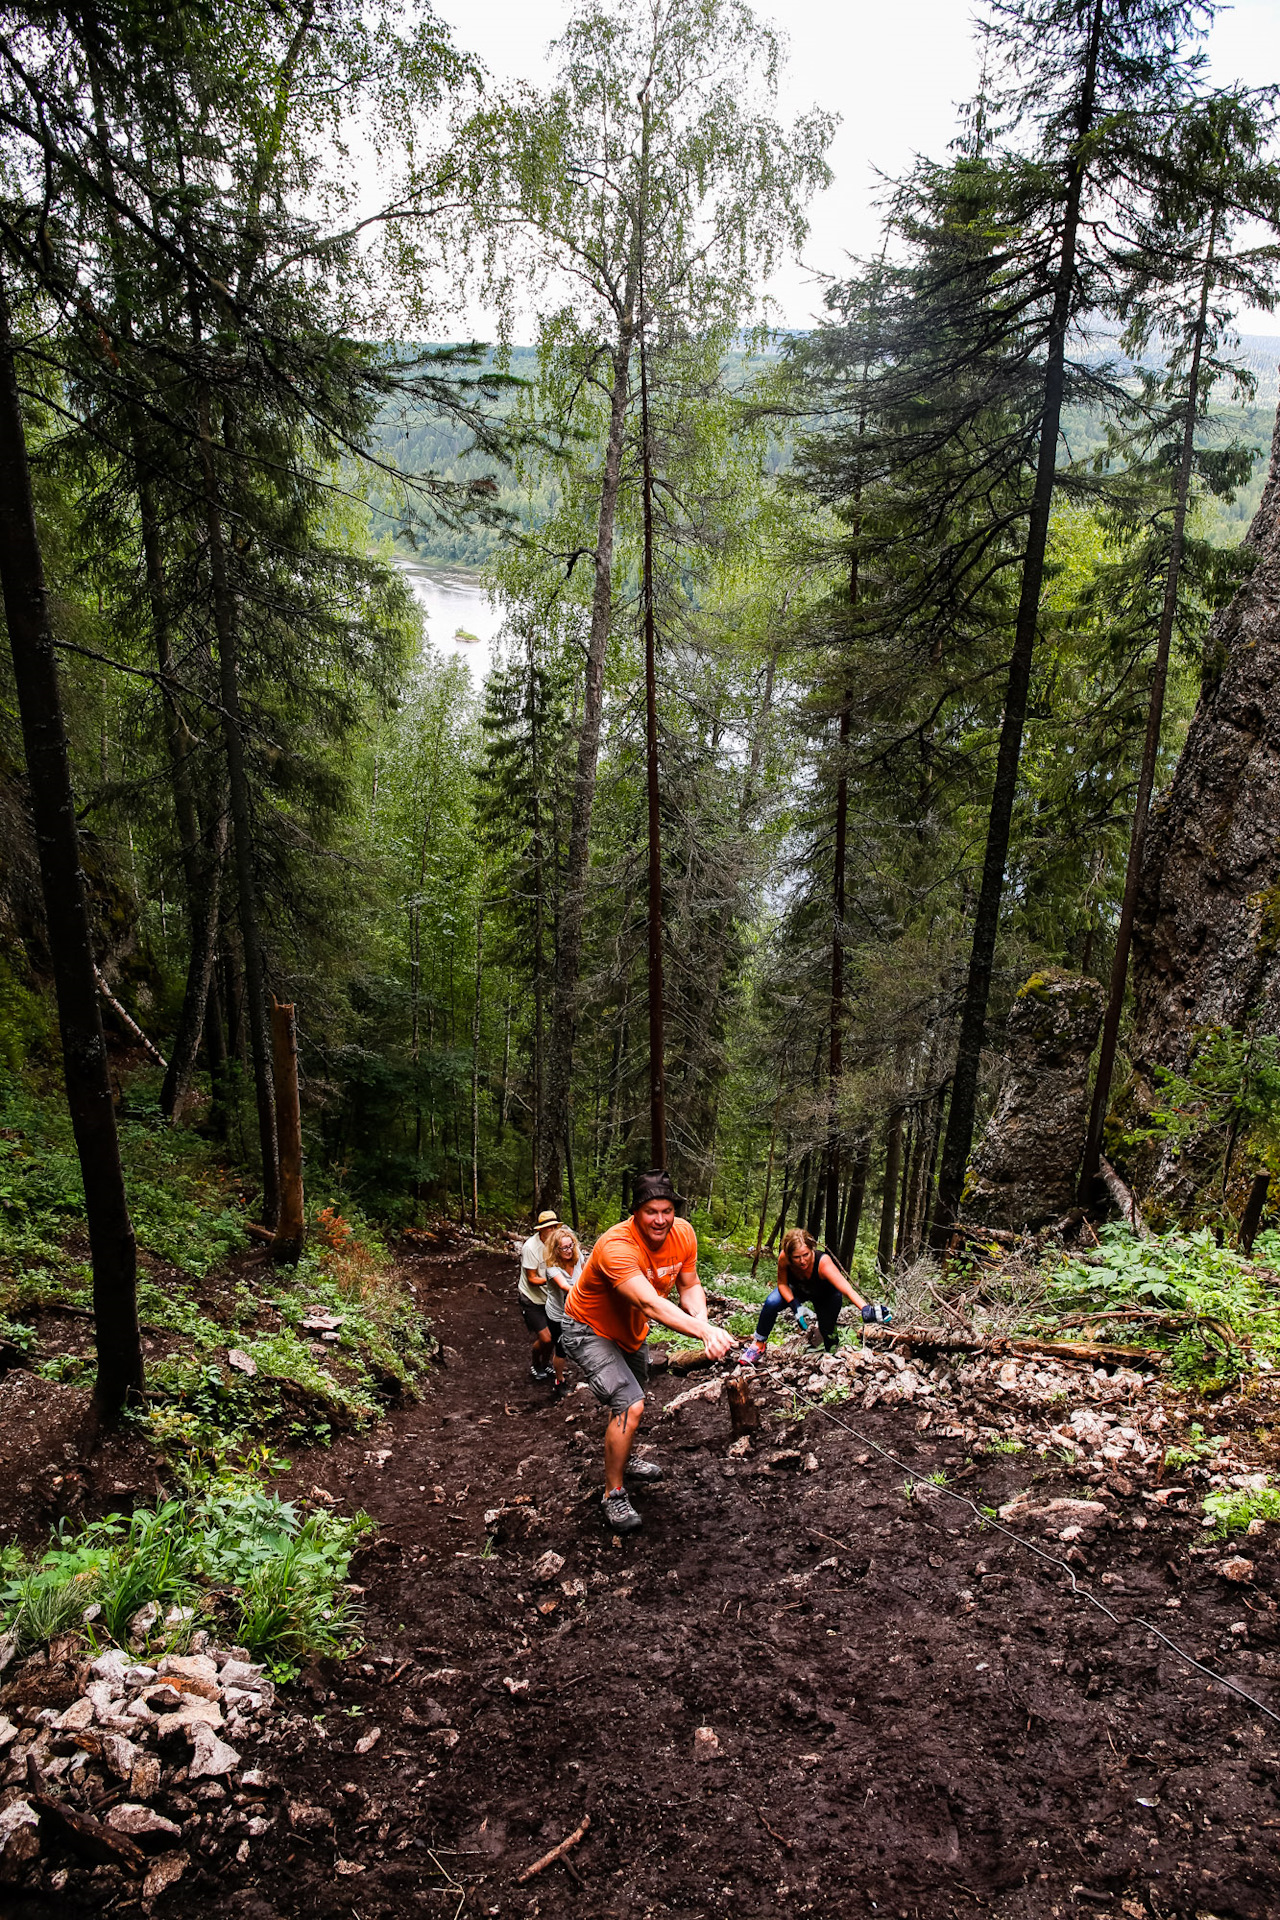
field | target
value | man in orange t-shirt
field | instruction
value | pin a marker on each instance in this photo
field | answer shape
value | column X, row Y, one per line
column 623, row 1286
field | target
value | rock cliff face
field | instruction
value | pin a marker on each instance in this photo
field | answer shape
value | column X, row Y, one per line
column 1024, row 1171
column 1207, row 937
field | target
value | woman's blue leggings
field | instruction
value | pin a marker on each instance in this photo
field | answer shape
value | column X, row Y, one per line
column 826, row 1301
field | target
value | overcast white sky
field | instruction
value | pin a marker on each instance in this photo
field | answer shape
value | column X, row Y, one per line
column 893, row 69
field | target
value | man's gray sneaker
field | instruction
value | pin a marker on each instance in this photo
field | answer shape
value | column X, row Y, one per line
column 643, row 1470
column 619, row 1513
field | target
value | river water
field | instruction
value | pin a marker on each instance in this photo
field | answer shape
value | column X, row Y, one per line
column 455, row 603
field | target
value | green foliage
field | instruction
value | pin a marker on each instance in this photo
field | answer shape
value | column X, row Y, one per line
column 242, row 1560
column 186, row 1208
column 1234, row 1508
column 849, row 633
column 1208, row 1291
column 1227, row 1103
column 26, row 1025
column 188, row 1212
column 1197, row 1448
column 16, row 1334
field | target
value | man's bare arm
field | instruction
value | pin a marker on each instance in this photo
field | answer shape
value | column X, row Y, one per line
column 643, row 1294
column 692, row 1297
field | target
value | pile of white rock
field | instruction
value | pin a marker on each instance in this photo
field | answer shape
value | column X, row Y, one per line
column 84, row 1778
column 1112, row 1423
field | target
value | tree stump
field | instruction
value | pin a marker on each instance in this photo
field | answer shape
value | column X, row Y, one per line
column 291, row 1229
column 744, row 1414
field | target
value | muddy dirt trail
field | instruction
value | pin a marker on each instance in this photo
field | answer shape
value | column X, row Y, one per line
column 911, row 1716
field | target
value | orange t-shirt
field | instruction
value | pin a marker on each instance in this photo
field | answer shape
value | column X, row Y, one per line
column 621, row 1254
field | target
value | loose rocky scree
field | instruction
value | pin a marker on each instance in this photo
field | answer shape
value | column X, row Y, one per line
column 811, row 1685
column 96, row 1750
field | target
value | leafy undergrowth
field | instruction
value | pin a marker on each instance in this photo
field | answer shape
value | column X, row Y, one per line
column 1215, row 1312
column 230, row 1556
column 242, row 1358
column 201, row 1295
column 301, row 1389
column 187, row 1209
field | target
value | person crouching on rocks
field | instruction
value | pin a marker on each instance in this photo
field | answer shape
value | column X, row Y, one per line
column 565, row 1262
column 623, row 1286
column 805, row 1274
column 547, row 1364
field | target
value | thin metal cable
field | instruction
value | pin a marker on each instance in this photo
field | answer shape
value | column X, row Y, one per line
column 1053, row 1559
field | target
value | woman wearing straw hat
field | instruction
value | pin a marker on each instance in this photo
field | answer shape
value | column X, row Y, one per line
column 547, row 1366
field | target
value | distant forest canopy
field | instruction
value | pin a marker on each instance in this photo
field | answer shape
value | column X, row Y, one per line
column 438, row 446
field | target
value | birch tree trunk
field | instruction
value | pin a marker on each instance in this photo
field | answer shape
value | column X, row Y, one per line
column 559, row 1063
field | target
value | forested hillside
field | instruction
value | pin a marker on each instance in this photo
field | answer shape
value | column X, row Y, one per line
column 845, row 847
column 866, row 820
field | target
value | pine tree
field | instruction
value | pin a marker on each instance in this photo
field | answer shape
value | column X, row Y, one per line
column 1186, row 281
column 700, row 76
column 1093, row 85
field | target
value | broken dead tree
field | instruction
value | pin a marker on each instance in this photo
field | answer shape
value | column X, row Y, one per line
column 744, row 1414
column 1096, row 1353
column 291, row 1229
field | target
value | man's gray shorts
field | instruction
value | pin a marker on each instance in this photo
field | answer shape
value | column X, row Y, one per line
column 617, row 1378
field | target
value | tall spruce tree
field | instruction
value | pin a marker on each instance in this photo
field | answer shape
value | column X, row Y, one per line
column 1187, row 278
column 1090, row 87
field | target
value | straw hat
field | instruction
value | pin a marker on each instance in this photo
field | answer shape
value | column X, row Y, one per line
column 548, row 1219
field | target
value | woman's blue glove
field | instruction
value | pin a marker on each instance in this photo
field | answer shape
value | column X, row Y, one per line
column 875, row 1313
column 802, row 1318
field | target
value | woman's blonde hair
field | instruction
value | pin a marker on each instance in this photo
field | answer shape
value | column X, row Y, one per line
column 797, row 1241
column 567, row 1233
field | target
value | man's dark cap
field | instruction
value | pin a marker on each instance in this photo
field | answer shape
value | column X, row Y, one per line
column 652, row 1186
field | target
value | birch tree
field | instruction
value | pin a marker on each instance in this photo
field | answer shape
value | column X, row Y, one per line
column 658, row 132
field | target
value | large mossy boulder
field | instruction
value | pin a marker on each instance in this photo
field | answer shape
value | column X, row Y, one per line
column 1206, row 951
column 1024, row 1171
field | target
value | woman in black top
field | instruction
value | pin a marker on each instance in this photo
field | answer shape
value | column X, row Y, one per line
column 806, row 1273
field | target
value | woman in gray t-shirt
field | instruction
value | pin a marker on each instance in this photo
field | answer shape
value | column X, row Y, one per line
column 565, row 1262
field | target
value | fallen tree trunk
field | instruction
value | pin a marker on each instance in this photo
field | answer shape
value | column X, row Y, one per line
column 1123, row 1198
column 690, row 1360
column 1002, row 1236
column 128, row 1022
column 1152, row 1317
column 935, row 1341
